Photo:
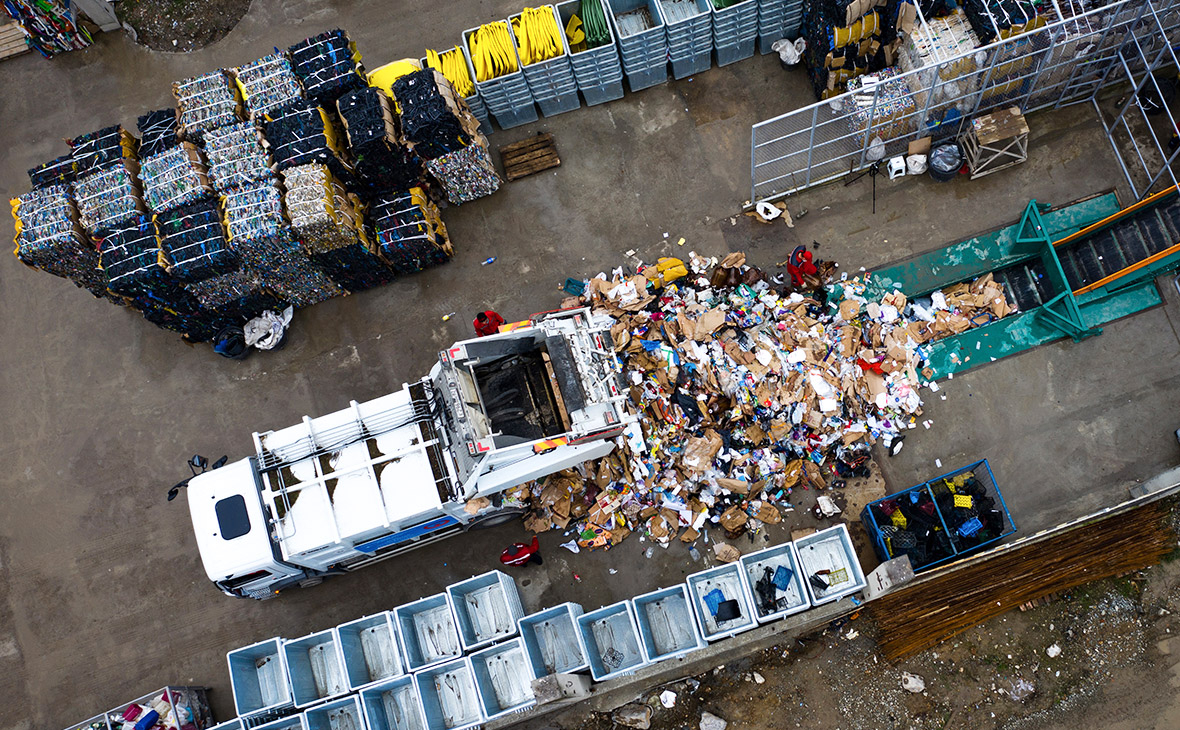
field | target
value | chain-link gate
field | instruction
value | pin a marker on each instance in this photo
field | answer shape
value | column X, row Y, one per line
column 1066, row 61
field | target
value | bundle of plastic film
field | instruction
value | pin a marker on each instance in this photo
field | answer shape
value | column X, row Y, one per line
column 159, row 131
column 60, row 171
column 49, row 237
column 237, row 295
column 108, row 197
column 97, row 150
column 538, row 37
column 453, row 65
column 466, row 174
column 303, row 133
column 323, row 215
column 410, row 235
column 354, row 267
column 175, row 177
column 328, row 65
column 492, row 51
column 193, row 243
column 206, row 102
column 433, row 120
column 367, row 116
column 383, row 166
column 182, row 313
column 268, row 83
column 237, row 156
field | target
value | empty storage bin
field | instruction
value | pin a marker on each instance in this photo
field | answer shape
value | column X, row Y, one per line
column 643, row 43
column 342, row 714
column 610, row 640
column 369, row 649
column 775, row 582
column 294, row 722
column 315, row 667
column 722, row 605
column 667, row 627
column 503, row 678
column 427, row 631
column 393, row 705
column 450, row 700
column 551, row 640
column 829, row 565
column 258, row 676
column 598, row 70
column 487, row 608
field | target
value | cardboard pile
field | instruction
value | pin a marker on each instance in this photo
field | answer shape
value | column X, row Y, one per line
column 746, row 391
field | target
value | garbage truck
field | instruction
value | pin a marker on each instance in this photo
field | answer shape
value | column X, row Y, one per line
column 345, row 490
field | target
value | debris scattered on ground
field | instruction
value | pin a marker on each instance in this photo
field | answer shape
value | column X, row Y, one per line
column 181, row 25
column 668, row 698
column 634, row 715
column 758, row 678
column 709, row 721
column 912, row 683
column 1053, row 651
column 1019, row 690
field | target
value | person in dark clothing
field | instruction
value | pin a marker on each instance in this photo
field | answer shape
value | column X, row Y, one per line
column 487, row 323
column 520, row 554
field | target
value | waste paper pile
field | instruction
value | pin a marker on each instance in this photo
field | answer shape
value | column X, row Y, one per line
column 747, row 389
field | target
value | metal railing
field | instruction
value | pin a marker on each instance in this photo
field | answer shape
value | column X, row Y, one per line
column 1064, row 62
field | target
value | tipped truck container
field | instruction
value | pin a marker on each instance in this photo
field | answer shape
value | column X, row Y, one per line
column 370, row 650
column 258, row 676
column 450, row 699
column 486, row 607
column 667, row 626
column 550, row 640
column 722, row 605
column 775, row 582
column 393, row 705
column 503, row 678
column 427, row 631
column 828, row 557
column 610, row 641
column 315, row 667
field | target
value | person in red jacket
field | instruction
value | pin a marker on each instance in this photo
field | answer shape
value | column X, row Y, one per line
column 520, row 554
column 487, row 323
column 800, row 265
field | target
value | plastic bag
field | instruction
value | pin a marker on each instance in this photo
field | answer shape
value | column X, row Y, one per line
column 789, row 52
column 266, row 330
column 915, row 164
column 876, row 150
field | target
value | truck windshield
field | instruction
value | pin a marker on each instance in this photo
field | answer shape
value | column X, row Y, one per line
column 232, row 519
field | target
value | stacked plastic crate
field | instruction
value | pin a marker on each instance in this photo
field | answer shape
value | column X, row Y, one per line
column 594, row 56
column 643, row 41
column 735, row 28
column 778, row 19
column 504, row 90
column 551, row 80
column 690, row 35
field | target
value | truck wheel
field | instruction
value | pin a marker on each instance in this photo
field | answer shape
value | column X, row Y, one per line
column 315, row 580
column 498, row 518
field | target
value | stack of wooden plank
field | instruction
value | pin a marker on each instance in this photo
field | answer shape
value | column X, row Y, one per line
column 12, row 41
column 529, row 156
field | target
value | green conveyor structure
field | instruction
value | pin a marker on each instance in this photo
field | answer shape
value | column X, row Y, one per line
column 1067, row 271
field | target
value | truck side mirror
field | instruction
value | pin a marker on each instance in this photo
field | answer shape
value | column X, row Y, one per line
column 198, row 462
column 175, row 490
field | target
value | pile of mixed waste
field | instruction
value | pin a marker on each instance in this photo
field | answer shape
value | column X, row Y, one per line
column 747, row 388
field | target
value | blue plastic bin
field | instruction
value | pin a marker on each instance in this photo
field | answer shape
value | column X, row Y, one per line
column 503, row 678
column 645, row 53
column 598, row 71
column 610, row 641
column 426, row 628
column 342, row 714
column 370, row 650
column 667, row 625
column 450, row 699
column 258, row 676
column 552, row 81
column 486, row 607
column 393, row 705
column 293, row 722
column 690, row 35
column 830, row 556
column 722, row 606
column 550, row 640
column 790, row 595
column 315, row 667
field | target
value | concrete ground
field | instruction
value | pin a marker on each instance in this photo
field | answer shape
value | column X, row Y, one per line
column 104, row 597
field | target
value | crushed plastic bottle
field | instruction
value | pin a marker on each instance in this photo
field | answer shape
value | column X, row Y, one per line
column 649, row 552
column 696, row 555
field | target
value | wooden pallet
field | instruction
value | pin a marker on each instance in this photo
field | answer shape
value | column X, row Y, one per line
column 529, row 156
column 12, row 41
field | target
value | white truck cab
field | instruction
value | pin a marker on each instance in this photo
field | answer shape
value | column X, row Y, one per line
column 347, row 489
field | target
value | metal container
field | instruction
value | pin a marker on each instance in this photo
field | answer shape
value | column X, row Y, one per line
column 342, row 714
column 966, row 518
column 507, row 97
column 644, row 53
column 234, row 724
column 610, row 641
column 829, row 550
column 370, row 650
column 734, row 31
column 426, row 628
column 722, row 605
column 775, row 582
column 393, row 705
column 503, row 678
column 551, row 640
column 690, row 35
column 315, row 667
column 487, row 608
column 598, row 71
column 667, row 627
column 450, row 699
column 258, row 676
column 551, row 82
column 293, row 722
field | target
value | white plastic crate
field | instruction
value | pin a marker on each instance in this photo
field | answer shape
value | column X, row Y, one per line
column 486, row 607
column 503, row 678
column 426, row 628
column 667, row 626
column 551, row 640
column 718, row 590
column 830, row 550
column 370, row 650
